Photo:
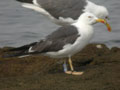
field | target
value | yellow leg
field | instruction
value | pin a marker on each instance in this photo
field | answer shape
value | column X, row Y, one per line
column 70, row 63
column 72, row 69
column 65, row 68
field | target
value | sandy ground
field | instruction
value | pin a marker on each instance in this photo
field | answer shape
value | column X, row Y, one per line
column 101, row 68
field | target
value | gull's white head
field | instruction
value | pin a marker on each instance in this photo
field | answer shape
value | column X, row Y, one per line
column 101, row 12
column 98, row 10
column 89, row 19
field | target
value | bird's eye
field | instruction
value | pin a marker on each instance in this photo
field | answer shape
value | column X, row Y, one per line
column 107, row 17
column 89, row 16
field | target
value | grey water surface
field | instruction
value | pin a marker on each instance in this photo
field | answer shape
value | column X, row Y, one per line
column 19, row 26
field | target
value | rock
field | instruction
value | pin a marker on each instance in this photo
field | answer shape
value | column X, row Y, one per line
column 101, row 66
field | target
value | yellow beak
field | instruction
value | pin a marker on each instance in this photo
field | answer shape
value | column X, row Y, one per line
column 104, row 22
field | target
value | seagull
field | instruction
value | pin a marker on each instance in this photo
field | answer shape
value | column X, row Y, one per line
column 65, row 12
column 65, row 41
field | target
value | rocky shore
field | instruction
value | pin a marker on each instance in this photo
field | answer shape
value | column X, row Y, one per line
column 100, row 64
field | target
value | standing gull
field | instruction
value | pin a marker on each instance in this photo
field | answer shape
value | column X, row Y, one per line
column 64, row 12
column 65, row 41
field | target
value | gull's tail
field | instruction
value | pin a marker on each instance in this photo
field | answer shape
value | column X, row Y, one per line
column 17, row 54
column 22, row 51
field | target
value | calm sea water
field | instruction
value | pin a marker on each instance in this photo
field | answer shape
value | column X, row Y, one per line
column 19, row 26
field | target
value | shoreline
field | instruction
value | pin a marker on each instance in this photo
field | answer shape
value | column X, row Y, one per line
column 100, row 64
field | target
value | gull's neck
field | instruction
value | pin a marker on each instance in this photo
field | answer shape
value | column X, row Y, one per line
column 83, row 27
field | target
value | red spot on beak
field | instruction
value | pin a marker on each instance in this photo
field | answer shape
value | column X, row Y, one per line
column 102, row 22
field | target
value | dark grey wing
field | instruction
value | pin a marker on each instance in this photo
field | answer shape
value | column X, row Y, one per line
column 64, row 8
column 57, row 40
column 61, row 8
column 63, row 32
